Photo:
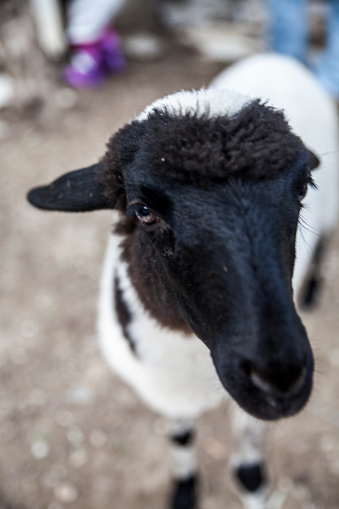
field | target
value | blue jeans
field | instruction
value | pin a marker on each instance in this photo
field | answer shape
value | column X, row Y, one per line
column 288, row 34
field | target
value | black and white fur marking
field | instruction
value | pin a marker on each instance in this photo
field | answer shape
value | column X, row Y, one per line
column 207, row 187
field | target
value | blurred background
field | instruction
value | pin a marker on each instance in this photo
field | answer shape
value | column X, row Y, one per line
column 71, row 434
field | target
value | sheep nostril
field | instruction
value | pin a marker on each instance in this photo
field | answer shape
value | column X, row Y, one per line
column 299, row 381
column 278, row 385
column 246, row 367
column 260, row 382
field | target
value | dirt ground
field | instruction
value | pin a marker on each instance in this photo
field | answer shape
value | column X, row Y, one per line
column 71, row 434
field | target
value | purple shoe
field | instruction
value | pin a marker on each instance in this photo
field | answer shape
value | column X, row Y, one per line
column 114, row 58
column 90, row 63
column 87, row 68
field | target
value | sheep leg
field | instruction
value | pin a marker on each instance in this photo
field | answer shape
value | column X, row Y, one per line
column 310, row 289
column 183, row 466
column 247, row 460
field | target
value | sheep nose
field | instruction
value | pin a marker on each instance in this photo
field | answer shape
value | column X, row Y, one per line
column 280, row 382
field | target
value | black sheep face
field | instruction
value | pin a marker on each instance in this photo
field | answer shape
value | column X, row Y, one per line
column 210, row 211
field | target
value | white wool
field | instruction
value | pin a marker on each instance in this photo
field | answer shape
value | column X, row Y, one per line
column 171, row 371
column 208, row 102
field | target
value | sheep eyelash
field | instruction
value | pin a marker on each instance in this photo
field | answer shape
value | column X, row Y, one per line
column 311, row 183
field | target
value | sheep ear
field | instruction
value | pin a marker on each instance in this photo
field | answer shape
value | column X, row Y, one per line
column 77, row 191
column 313, row 160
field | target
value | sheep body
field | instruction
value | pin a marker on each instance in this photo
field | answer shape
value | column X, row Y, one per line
column 172, row 371
column 230, row 283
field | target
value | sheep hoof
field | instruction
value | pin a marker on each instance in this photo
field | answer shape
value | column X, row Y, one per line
column 184, row 495
column 310, row 296
column 313, row 281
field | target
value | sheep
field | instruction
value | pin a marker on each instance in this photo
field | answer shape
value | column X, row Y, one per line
column 196, row 299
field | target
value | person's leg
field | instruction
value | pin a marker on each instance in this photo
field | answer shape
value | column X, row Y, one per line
column 327, row 69
column 95, row 48
column 288, row 27
column 87, row 19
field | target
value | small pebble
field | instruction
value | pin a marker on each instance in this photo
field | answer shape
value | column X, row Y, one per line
column 40, row 449
column 80, row 395
column 215, row 449
column 78, row 458
column 66, row 493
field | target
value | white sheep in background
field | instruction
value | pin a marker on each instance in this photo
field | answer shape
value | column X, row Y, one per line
column 208, row 188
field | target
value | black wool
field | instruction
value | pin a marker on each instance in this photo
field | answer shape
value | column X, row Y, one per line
column 256, row 143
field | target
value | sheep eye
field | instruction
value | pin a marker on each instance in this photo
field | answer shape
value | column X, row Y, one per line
column 146, row 216
column 302, row 193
